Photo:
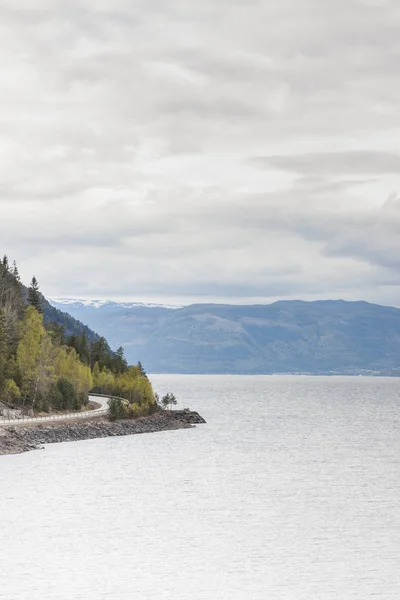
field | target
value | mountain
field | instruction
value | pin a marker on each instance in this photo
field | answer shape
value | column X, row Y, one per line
column 286, row 336
column 72, row 326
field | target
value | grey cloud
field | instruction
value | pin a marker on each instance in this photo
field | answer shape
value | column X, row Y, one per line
column 221, row 109
column 358, row 162
column 127, row 131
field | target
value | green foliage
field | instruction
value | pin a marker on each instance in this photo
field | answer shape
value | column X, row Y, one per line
column 34, row 296
column 12, row 305
column 55, row 397
column 141, row 369
column 3, row 349
column 41, row 363
column 101, row 353
column 118, row 409
column 11, row 392
column 118, row 361
column 168, row 400
column 46, row 362
column 70, row 325
column 67, row 393
column 56, row 332
column 15, row 273
column 132, row 391
column 80, row 344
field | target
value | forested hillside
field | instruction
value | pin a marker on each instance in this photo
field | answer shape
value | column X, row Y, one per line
column 51, row 314
column 49, row 361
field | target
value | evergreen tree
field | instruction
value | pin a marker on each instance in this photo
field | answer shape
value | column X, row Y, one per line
column 119, row 364
column 100, row 352
column 56, row 332
column 34, row 296
column 68, row 394
column 3, row 349
column 83, row 349
column 72, row 342
column 15, row 273
column 141, row 369
column 5, row 262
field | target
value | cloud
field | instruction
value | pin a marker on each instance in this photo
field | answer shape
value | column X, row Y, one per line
column 358, row 162
column 223, row 150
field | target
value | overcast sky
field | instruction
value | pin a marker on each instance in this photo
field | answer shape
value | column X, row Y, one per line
column 223, row 150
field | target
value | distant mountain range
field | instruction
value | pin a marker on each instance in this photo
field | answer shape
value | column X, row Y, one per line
column 284, row 337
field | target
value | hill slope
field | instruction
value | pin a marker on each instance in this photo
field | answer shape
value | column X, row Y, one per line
column 287, row 336
column 72, row 326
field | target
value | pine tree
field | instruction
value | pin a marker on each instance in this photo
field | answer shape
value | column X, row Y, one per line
column 118, row 363
column 84, row 351
column 141, row 369
column 3, row 349
column 100, row 352
column 5, row 262
column 34, row 296
column 15, row 273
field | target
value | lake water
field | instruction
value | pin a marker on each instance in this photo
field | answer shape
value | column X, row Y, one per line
column 290, row 492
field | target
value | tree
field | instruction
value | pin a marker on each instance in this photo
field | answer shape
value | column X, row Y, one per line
column 67, row 365
column 68, row 394
column 56, row 332
column 30, row 352
column 168, row 399
column 141, row 369
column 12, row 304
column 118, row 363
column 3, row 349
column 83, row 349
column 100, row 352
column 34, row 296
column 15, row 273
column 11, row 392
column 80, row 344
column 118, row 409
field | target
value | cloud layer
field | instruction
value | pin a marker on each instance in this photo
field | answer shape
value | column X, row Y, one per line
column 234, row 151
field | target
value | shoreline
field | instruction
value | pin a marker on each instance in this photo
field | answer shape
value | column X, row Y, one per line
column 16, row 440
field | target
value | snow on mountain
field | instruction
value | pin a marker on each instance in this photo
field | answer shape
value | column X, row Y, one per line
column 79, row 302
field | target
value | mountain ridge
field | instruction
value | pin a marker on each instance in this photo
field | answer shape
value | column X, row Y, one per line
column 296, row 336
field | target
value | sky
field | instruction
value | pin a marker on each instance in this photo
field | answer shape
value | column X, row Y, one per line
column 174, row 151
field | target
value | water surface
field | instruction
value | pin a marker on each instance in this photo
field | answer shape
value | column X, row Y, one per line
column 290, row 492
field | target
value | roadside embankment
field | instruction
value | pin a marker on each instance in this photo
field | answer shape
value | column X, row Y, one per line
column 14, row 440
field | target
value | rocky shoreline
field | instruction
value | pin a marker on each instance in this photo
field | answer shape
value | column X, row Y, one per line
column 15, row 440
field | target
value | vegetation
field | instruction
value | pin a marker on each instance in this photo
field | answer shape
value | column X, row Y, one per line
column 168, row 400
column 43, row 369
column 34, row 296
column 132, row 393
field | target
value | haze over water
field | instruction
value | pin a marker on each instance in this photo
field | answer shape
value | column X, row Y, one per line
column 290, row 492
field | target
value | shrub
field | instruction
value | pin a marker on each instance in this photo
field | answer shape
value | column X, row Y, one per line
column 11, row 391
column 67, row 391
column 55, row 397
column 118, row 409
column 168, row 400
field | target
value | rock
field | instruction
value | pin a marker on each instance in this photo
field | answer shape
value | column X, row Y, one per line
column 187, row 416
column 9, row 413
column 21, row 439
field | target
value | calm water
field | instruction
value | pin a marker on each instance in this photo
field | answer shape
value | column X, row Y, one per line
column 290, row 492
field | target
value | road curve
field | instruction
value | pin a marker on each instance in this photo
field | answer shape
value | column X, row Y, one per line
column 100, row 402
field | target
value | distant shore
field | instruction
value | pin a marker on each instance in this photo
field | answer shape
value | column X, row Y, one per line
column 15, row 440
